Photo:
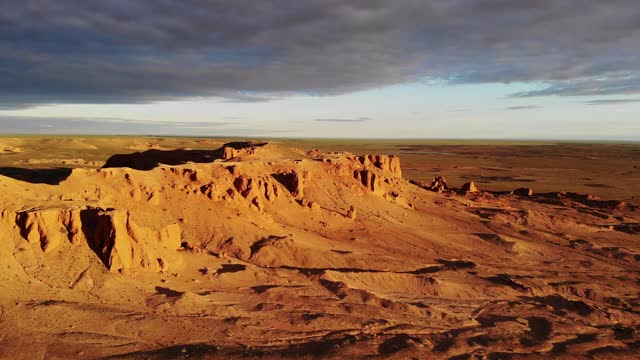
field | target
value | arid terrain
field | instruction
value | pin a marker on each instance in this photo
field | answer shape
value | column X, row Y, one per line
column 205, row 248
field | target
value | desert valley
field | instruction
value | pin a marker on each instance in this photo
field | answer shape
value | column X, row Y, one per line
column 204, row 248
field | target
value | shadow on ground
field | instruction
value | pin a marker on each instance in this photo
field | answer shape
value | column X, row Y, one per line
column 51, row 176
column 150, row 159
column 145, row 160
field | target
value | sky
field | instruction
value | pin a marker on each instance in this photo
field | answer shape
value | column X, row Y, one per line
column 490, row 69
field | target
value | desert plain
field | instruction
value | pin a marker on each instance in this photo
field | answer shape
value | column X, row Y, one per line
column 207, row 248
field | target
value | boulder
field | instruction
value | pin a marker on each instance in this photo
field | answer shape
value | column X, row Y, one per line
column 469, row 187
column 351, row 213
column 522, row 192
column 438, row 184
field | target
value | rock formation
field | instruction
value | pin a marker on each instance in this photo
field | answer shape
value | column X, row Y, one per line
column 118, row 241
column 50, row 227
column 522, row 192
column 10, row 149
column 469, row 187
column 238, row 149
column 369, row 179
column 292, row 181
column 438, row 184
column 388, row 163
column 351, row 213
column 124, row 245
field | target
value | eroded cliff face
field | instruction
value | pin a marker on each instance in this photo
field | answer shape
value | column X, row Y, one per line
column 102, row 216
column 387, row 163
column 50, row 227
column 124, row 245
column 241, row 149
column 113, row 235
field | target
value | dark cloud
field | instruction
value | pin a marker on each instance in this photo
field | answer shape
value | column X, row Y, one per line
column 122, row 51
column 523, row 107
column 362, row 119
column 247, row 98
column 606, row 84
column 611, row 101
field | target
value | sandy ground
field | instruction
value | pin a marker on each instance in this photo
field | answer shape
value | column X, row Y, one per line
column 187, row 248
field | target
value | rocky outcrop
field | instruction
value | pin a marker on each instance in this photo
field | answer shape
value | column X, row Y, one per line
column 469, row 187
column 50, row 228
column 247, row 186
column 123, row 245
column 258, row 190
column 230, row 153
column 117, row 240
column 522, row 192
column 438, row 184
column 388, row 163
column 10, row 150
column 369, row 179
column 292, row 181
column 351, row 213
column 237, row 149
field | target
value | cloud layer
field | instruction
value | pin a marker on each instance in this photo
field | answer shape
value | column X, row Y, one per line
column 522, row 107
column 122, row 51
column 358, row 120
column 611, row 101
column 65, row 125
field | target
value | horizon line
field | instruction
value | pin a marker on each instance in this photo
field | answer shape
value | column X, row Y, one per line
column 533, row 139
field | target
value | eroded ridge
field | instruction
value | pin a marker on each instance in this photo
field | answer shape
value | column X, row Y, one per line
column 256, row 250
